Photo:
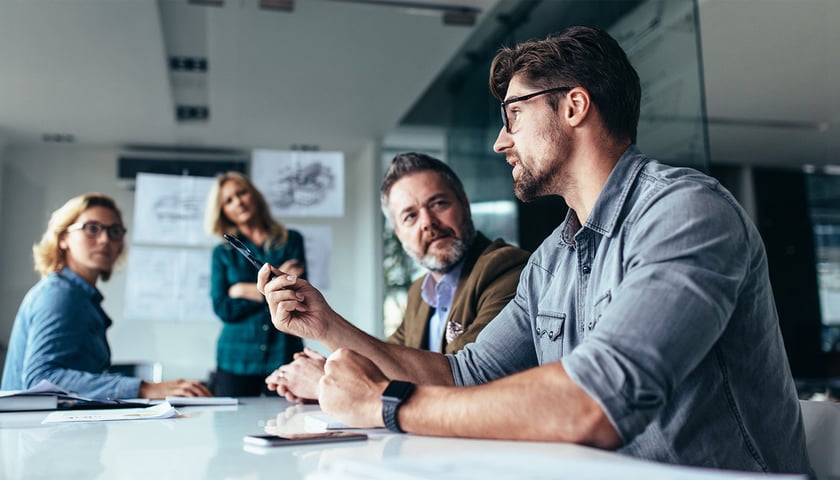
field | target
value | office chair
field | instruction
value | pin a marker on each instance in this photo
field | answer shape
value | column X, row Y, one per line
column 822, row 435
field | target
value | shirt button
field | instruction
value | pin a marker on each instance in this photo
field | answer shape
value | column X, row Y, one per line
column 265, row 328
column 586, row 269
column 263, row 348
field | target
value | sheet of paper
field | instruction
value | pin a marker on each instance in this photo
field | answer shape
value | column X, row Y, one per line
column 300, row 184
column 169, row 210
column 162, row 410
column 192, row 401
column 321, row 422
column 317, row 242
column 168, row 283
column 44, row 386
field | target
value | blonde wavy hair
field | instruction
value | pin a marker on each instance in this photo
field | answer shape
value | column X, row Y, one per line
column 217, row 223
column 48, row 256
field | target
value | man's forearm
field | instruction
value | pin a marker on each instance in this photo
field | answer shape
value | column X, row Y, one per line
column 395, row 361
column 540, row 404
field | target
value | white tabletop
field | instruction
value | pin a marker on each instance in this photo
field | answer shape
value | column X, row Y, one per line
column 206, row 443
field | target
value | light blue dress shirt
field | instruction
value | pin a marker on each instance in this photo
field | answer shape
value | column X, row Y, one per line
column 660, row 307
column 59, row 335
column 439, row 296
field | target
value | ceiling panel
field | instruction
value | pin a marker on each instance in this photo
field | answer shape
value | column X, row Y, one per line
column 332, row 74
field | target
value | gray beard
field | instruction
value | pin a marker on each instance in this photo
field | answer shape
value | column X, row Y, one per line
column 452, row 257
column 443, row 265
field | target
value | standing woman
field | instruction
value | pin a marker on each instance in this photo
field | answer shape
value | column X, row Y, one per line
column 59, row 330
column 249, row 346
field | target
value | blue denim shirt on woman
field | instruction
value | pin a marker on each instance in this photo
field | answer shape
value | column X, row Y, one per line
column 660, row 307
column 59, row 335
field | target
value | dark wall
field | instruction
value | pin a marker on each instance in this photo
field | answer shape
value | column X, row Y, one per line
column 785, row 225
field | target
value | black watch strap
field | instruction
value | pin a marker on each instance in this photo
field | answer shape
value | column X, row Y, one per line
column 393, row 396
column 389, row 416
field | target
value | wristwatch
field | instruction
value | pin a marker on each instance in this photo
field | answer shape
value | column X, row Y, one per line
column 394, row 395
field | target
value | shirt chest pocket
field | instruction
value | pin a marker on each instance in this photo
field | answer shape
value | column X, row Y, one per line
column 599, row 305
column 549, row 335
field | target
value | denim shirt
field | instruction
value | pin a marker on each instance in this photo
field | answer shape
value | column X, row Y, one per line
column 59, row 335
column 660, row 308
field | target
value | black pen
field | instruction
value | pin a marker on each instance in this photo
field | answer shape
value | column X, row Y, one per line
column 243, row 249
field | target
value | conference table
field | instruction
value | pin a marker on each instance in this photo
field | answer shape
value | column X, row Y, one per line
column 207, row 442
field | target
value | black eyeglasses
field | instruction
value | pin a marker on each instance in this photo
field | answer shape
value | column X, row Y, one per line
column 116, row 232
column 507, row 102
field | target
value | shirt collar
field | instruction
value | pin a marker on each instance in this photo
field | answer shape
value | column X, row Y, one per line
column 604, row 216
column 77, row 281
column 430, row 288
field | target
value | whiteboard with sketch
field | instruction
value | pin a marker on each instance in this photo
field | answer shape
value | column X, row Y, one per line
column 169, row 210
column 300, row 184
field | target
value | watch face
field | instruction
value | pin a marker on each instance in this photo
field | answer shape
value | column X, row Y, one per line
column 397, row 390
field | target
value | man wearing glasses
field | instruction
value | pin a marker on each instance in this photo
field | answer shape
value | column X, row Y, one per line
column 644, row 323
column 59, row 330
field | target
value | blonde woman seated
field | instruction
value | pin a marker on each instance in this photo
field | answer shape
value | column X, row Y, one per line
column 59, row 331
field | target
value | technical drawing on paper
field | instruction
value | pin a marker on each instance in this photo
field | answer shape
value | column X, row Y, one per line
column 178, row 206
column 169, row 210
column 302, row 185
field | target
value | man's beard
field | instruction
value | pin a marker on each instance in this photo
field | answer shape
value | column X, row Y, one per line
column 531, row 185
column 454, row 255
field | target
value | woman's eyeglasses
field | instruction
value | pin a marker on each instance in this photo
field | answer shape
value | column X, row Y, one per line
column 116, row 232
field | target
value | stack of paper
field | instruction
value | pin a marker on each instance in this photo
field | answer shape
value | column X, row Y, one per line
column 194, row 401
column 49, row 396
column 14, row 401
column 163, row 410
column 321, row 422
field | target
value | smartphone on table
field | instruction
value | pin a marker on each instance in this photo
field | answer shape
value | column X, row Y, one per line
column 302, row 438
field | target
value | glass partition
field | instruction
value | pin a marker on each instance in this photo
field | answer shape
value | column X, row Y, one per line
column 662, row 40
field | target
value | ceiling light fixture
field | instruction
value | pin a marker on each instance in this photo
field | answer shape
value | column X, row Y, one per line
column 452, row 14
column 281, row 5
column 208, row 3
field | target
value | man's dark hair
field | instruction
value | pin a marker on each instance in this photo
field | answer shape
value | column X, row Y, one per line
column 409, row 163
column 578, row 56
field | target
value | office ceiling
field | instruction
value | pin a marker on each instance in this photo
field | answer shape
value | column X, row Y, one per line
column 334, row 74
column 329, row 74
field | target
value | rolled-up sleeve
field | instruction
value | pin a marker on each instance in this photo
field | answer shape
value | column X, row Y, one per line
column 683, row 267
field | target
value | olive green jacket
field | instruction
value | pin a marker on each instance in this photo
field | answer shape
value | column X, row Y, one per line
column 488, row 282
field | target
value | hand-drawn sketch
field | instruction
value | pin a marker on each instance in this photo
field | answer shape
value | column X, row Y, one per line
column 168, row 284
column 178, row 206
column 317, row 241
column 300, row 184
column 169, row 210
column 304, row 186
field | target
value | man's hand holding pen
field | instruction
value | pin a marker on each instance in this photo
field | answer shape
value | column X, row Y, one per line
column 296, row 306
